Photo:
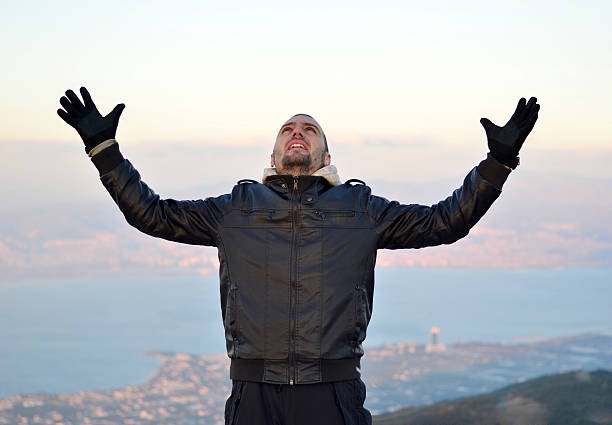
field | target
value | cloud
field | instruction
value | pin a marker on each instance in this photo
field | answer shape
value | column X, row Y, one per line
column 508, row 249
column 549, row 245
column 546, row 217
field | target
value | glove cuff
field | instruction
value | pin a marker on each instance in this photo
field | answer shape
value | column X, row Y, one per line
column 494, row 171
column 509, row 161
column 93, row 141
column 98, row 148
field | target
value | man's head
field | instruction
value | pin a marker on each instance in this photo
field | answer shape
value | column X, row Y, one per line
column 301, row 147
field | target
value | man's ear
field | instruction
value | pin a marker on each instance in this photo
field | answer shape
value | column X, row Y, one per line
column 272, row 160
column 327, row 159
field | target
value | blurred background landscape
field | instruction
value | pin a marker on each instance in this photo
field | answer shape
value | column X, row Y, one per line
column 399, row 89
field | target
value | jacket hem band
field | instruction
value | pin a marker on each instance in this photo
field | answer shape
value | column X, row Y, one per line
column 331, row 370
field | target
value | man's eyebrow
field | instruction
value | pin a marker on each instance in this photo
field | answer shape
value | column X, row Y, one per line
column 293, row 123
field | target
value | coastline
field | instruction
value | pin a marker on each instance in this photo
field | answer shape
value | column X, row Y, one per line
column 188, row 387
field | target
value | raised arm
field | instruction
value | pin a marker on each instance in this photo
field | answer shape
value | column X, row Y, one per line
column 192, row 222
column 416, row 226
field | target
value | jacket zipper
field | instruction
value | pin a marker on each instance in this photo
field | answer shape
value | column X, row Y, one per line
column 293, row 287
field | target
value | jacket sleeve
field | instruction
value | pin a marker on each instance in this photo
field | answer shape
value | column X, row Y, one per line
column 191, row 222
column 416, row 226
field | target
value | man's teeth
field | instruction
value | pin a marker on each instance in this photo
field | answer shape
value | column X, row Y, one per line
column 296, row 145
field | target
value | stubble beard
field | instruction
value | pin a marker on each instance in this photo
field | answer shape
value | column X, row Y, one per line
column 299, row 165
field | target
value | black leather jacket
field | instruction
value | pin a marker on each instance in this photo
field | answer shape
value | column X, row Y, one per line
column 297, row 258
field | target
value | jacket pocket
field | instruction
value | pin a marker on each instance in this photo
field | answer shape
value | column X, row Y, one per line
column 324, row 214
column 231, row 317
column 361, row 313
column 258, row 211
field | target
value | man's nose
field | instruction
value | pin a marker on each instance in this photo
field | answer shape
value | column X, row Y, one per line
column 297, row 132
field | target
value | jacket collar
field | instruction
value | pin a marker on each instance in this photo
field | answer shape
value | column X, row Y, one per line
column 329, row 173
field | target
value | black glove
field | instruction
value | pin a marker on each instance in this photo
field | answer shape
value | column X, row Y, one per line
column 505, row 142
column 87, row 121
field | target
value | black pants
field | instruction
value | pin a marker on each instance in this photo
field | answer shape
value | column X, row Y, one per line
column 330, row 403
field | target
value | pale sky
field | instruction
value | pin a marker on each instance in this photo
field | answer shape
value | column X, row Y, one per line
column 211, row 73
column 399, row 88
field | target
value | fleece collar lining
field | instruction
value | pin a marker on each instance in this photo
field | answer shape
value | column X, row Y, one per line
column 329, row 173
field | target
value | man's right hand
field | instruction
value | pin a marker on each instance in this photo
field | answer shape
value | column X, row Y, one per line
column 87, row 121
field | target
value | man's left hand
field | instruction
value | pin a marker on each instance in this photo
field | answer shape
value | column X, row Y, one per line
column 505, row 142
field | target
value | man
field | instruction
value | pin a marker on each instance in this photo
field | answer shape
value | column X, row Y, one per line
column 297, row 256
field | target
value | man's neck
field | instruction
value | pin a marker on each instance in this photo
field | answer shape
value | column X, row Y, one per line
column 296, row 171
column 328, row 172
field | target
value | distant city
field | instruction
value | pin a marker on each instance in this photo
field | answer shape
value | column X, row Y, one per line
column 192, row 389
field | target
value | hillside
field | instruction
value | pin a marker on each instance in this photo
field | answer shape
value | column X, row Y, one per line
column 565, row 399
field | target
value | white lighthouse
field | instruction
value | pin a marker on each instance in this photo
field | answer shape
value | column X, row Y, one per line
column 434, row 346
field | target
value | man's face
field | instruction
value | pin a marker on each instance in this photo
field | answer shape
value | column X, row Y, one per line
column 299, row 147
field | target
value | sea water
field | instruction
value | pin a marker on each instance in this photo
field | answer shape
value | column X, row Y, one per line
column 84, row 334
